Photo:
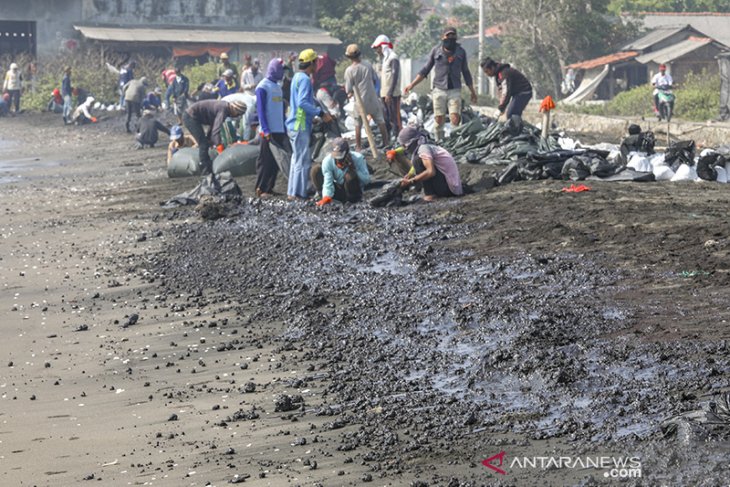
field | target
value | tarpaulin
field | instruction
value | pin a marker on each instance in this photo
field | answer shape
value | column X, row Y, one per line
column 197, row 51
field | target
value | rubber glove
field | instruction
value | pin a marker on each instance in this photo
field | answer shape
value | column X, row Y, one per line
column 93, row 120
column 324, row 201
column 390, row 155
column 220, row 148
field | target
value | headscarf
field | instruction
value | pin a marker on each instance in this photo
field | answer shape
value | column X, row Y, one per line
column 275, row 71
column 411, row 139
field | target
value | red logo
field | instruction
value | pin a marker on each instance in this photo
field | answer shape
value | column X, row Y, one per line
column 499, row 456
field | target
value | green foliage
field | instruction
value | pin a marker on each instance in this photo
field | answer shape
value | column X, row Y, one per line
column 420, row 41
column 698, row 100
column 201, row 73
column 619, row 6
column 545, row 35
column 467, row 19
column 361, row 21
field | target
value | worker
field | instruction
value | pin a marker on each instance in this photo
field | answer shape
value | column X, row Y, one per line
column 226, row 85
column 66, row 92
column 211, row 113
column 270, row 108
column 342, row 176
column 148, row 128
column 450, row 63
column 179, row 93
column 433, row 166
column 178, row 140
column 661, row 80
column 302, row 110
column 55, row 105
column 126, row 74
column 251, row 77
column 515, row 91
column 361, row 76
column 4, row 105
column 12, row 86
column 82, row 115
column 324, row 73
column 389, row 81
column 153, row 100
column 225, row 65
column 134, row 93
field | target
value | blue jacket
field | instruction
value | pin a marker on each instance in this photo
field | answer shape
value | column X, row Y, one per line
column 66, row 85
column 126, row 75
column 334, row 175
column 301, row 99
column 270, row 107
column 224, row 89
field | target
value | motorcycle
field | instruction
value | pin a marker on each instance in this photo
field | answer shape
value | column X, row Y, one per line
column 666, row 98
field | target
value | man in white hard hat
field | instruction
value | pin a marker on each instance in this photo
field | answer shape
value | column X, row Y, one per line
column 389, row 81
column 11, row 86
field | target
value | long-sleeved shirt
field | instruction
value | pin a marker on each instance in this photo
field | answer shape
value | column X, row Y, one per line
column 449, row 67
column 390, row 75
column 249, row 80
column 225, row 88
column 126, row 74
column 362, row 75
column 270, row 107
column 66, row 85
column 134, row 90
column 13, row 80
column 510, row 83
column 211, row 113
column 334, row 175
column 82, row 109
column 147, row 130
column 302, row 105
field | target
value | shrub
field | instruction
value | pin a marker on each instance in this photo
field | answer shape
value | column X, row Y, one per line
column 698, row 99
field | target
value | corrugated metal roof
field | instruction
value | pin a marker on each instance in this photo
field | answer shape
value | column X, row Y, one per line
column 653, row 37
column 274, row 35
column 670, row 53
column 712, row 24
column 603, row 60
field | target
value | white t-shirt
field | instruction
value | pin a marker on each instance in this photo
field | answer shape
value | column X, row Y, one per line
column 660, row 79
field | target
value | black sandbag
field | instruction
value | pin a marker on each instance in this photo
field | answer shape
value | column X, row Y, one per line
column 682, row 152
column 209, row 185
column 186, row 162
column 238, row 159
column 637, row 142
column 510, row 174
column 627, row 174
column 282, row 155
column 575, row 169
column 707, row 163
column 389, row 195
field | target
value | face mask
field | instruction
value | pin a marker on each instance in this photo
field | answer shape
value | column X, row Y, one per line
column 449, row 44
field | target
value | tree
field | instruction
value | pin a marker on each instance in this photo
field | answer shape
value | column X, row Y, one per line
column 420, row 42
column 467, row 19
column 361, row 21
column 543, row 36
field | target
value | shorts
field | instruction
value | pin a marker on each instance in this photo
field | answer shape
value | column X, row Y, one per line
column 443, row 99
column 376, row 113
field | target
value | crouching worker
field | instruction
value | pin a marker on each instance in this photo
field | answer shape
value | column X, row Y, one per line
column 211, row 113
column 178, row 140
column 82, row 115
column 434, row 167
column 55, row 105
column 342, row 176
column 147, row 129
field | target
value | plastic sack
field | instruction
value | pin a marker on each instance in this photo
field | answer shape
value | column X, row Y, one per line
column 663, row 173
column 238, row 159
column 721, row 174
column 186, row 162
column 685, row 173
column 640, row 163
